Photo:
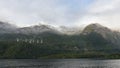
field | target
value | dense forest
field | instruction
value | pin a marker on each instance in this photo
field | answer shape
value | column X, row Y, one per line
column 50, row 45
column 42, row 41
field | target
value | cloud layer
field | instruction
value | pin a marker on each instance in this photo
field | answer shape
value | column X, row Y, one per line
column 105, row 12
column 61, row 12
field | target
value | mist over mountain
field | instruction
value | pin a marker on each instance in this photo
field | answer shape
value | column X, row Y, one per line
column 7, row 28
column 36, row 29
column 110, row 35
column 42, row 41
column 106, row 33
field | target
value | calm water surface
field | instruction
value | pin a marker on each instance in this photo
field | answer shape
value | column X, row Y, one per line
column 59, row 63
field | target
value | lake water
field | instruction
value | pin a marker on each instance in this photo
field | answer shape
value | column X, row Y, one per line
column 59, row 63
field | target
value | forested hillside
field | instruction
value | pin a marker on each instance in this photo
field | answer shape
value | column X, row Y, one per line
column 91, row 43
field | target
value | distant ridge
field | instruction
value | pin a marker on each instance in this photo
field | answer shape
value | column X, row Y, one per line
column 45, row 41
column 110, row 35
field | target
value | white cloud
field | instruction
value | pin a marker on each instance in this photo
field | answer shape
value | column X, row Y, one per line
column 28, row 12
column 104, row 6
column 105, row 12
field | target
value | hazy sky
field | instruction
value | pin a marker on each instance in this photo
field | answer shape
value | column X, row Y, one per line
column 61, row 12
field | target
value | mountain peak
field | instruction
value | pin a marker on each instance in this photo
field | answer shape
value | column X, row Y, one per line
column 37, row 29
column 95, row 27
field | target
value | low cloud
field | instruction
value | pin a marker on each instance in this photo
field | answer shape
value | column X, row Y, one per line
column 30, row 12
column 105, row 12
column 61, row 12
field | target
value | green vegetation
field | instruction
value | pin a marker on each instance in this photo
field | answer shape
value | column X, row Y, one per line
column 49, row 45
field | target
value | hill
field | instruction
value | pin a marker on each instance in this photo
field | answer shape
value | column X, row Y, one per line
column 43, row 41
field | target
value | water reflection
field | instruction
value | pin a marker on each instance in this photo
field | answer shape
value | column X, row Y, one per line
column 59, row 63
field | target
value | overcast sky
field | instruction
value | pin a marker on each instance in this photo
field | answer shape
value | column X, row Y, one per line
column 61, row 12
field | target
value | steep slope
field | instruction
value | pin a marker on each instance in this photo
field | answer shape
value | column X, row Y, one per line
column 96, row 28
column 43, row 41
column 105, row 33
column 7, row 28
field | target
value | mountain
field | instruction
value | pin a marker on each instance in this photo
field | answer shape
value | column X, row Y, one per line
column 37, row 29
column 7, row 28
column 109, row 35
column 45, row 41
column 105, row 33
column 96, row 28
